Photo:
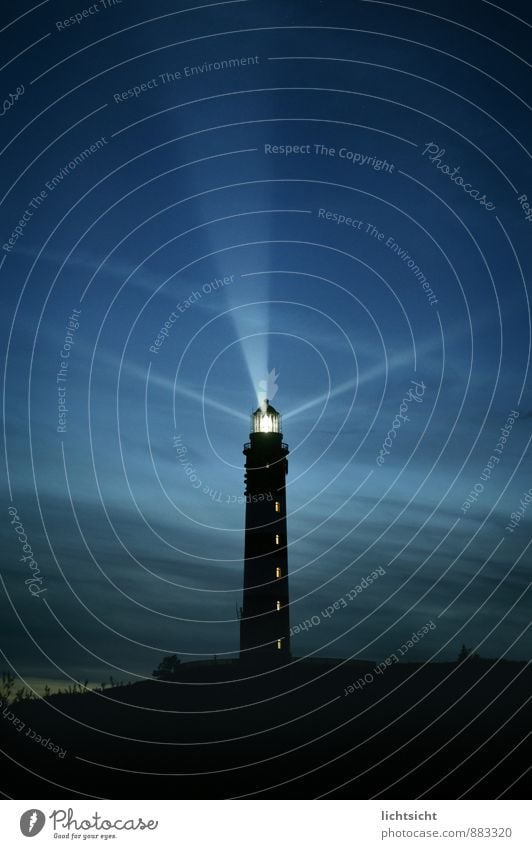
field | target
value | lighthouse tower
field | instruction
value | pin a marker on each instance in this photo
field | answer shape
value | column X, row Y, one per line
column 265, row 621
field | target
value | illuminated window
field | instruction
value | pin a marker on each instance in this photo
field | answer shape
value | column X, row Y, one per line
column 279, row 644
column 277, row 506
column 277, row 539
column 277, row 571
column 278, row 605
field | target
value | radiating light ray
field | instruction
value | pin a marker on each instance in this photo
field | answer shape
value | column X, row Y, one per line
column 251, row 323
column 138, row 372
column 319, row 399
column 399, row 360
column 201, row 398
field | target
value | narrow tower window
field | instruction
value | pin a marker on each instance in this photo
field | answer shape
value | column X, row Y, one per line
column 277, row 571
column 278, row 605
column 277, row 506
column 277, row 539
column 279, row 644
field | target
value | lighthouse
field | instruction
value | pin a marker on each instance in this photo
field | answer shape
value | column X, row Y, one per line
column 265, row 620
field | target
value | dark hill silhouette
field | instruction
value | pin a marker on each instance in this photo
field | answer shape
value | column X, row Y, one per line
column 434, row 730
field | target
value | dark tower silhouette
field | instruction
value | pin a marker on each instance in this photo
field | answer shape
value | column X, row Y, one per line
column 265, row 620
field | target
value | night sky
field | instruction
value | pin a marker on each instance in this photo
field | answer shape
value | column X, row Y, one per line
column 329, row 199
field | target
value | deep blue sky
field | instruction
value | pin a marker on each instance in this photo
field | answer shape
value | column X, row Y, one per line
column 139, row 561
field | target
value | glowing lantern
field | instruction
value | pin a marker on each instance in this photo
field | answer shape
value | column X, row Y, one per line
column 266, row 419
